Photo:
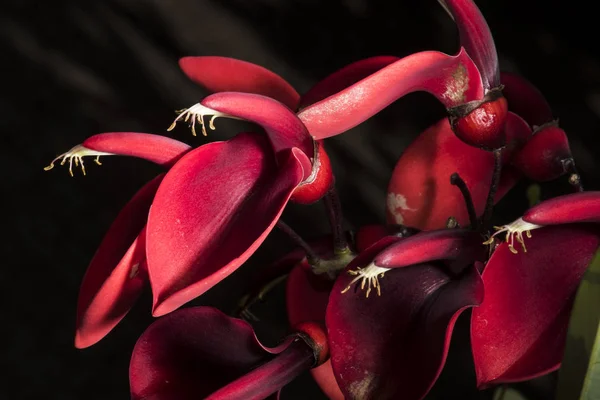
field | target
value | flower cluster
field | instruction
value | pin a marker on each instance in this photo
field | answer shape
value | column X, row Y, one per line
column 372, row 313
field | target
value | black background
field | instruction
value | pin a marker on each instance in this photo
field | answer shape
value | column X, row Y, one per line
column 72, row 69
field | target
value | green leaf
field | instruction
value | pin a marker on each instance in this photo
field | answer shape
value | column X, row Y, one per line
column 579, row 375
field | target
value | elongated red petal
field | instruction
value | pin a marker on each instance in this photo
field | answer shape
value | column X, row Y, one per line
column 395, row 345
column 213, row 209
column 462, row 247
column 223, row 74
column 281, row 124
column 159, row 149
column 191, row 353
column 117, row 273
column 454, row 80
column 420, row 194
column 519, row 331
column 525, row 99
column 345, row 77
column 570, row 208
column 476, row 38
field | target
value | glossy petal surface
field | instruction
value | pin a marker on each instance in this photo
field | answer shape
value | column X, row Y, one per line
column 116, row 275
column 213, row 209
column 519, row 331
column 576, row 207
column 394, row 345
column 223, row 74
column 452, row 79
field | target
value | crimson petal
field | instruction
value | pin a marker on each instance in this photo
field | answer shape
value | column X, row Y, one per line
column 223, row 74
column 213, row 209
column 576, row 207
column 395, row 345
column 116, row 275
column 454, row 80
column 525, row 99
column 519, row 331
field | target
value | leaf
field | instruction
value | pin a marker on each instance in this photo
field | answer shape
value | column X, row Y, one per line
column 579, row 376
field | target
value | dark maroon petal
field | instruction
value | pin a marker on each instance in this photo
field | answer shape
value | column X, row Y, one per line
column 192, row 353
column 476, row 38
column 454, row 80
column 519, row 331
column 345, row 77
column 280, row 123
column 461, row 246
column 223, row 74
column 576, row 207
column 525, row 99
column 212, row 211
column 394, row 345
column 517, row 133
column 116, row 275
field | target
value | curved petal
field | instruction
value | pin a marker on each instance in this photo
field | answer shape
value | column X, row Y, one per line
column 344, row 77
column 525, row 99
column 420, row 194
column 395, row 345
column 191, row 353
column 476, row 38
column 224, row 74
column 454, row 80
column 519, row 331
column 213, row 209
column 116, row 275
column 570, row 208
column 280, row 123
column 368, row 235
column 517, row 133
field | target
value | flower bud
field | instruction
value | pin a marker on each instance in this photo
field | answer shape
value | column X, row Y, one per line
column 320, row 180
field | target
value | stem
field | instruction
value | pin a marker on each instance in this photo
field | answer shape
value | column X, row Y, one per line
column 457, row 181
column 574, row 178
column 311, row 256
column 336, row 220
column 489, row 205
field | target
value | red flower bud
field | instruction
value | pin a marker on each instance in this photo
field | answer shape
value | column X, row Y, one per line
column 320, row 180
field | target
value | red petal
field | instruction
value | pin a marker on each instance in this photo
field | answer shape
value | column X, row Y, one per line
column 525, row 99
column 156, row 148
column 570, row 208
column 519, row 331
column 193, row 352
column 345, row 77
column 420, row 194
column 116, row 275
column 281, row 124
column 454, row 80
column 223, row 74
column 214, row 208
column 395, row 345
column 476, row 38
column 517, row 133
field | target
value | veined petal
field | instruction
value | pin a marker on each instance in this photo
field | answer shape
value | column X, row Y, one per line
column 280, row 123
column 395, row 345
column 117, row 273
column 224, row 74
column 525, row 99
column 454, row 80
column 570, row 208
column 345, row 77
column 213, row 209
column 476, row 38
column 519, row 331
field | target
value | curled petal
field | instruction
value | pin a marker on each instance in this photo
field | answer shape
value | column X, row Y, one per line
column 395, row 345
column 525, row 99
column 117, row 273
column 519, row 331
column 224, row 74
column 213, row 209
column 345, row 77
column 454, row 80
column 476, row 38
column 570, row 208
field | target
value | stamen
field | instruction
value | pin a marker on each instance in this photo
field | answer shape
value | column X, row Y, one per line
column 369, row 277
column 77, row 153
column 514, row 229
column 197, row 112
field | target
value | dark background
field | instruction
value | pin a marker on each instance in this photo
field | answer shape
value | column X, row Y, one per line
column 71, row 69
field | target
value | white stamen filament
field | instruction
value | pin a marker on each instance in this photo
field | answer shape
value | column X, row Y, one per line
column 369, row 276
column 76, row 154
column 514, row 229
column 197, row 112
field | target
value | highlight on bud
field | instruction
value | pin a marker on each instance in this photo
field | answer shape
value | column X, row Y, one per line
column 320, row 180
column 369, row 277
column 514, row 230
column 196, row 113
column 76, row 155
